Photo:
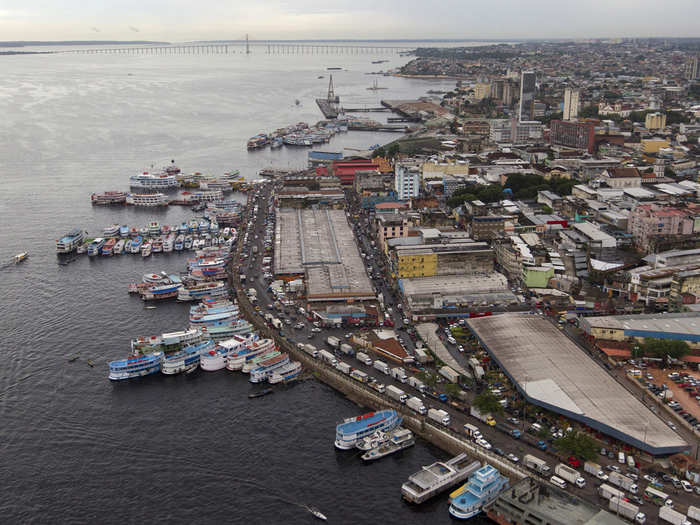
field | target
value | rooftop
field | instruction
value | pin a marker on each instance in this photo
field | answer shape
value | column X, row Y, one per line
column 553, row 372
column 685, row 326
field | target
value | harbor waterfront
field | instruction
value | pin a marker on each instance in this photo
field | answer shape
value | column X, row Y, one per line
column 79, row 448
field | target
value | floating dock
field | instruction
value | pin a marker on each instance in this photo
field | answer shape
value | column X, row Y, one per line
column 328, row 109
column 436, row 478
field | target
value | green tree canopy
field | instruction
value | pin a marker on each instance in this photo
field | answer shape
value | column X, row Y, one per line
column 664, row 347
column 578, row 444
column 487, row 402
column 452, row 390
column 379, row 152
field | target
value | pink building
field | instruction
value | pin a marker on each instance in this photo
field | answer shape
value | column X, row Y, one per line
column 651, row 220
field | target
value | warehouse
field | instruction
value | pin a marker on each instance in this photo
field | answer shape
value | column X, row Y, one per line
column 320, row 245
column 551, row 371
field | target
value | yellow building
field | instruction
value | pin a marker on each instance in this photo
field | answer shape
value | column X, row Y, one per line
column 434, row 169
column 651, row 146
column 482, row 91
column 655, row 121
column 418, row 263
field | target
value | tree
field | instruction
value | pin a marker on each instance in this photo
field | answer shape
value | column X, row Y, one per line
column 393, row 149
column 589, row 112
column 664, row 347
column 578, row 444
column 379, row 152
column 546, row 209
column 486, row 403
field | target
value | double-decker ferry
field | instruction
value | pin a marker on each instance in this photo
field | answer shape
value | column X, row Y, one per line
column 136, row 366
column 288, row 372
column 167, row 342
column 108, row 197
column 148, row 181
column 353, row 429
column 186, row 359
column 95, row 247
column 482, row 488
column 199, row 291
column 70, row 241
column 219, row 333
column 161, row 291
column 237, row 359
column 267, row 367
column 147, row 199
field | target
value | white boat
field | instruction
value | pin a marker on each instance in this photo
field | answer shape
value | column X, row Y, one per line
column 399, row 439
column 179, row 243
column 266, row 368
column 168, row 243
column 147, row 199
column 111, row 231
column 149, row 181
column 119, row 247
column 373, row 440
column 20, row 257
column 188, row 242
column 236, row 360
column 286, row 373
column 146, row 249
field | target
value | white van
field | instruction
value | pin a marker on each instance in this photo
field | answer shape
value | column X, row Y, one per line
column 536, row 427
column 621, row 457
column 557, row 482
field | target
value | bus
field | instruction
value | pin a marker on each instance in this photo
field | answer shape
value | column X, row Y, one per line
column 656, row 496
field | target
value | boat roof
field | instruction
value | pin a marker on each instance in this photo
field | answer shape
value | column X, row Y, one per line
column 365, row 420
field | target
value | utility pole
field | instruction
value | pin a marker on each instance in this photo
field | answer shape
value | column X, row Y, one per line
column 247, row 47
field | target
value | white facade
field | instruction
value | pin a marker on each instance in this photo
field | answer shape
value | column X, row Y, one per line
column 407, row 182
column 571, row 102
column 515, row 132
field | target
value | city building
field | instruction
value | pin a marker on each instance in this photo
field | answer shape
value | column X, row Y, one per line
column 655, row 121
column 652, row 146
column 482, row 91
column 489, row 226
column 691, row 68
column 685, row 288
column 652, row 220
column 526, row 107
column 390, row 226
column 571, row 103
column 505, row 131
column 622, row 178
column 552, row 371
column 428, row 260
column 537, row 276
column 578, row 135
column 407, row 182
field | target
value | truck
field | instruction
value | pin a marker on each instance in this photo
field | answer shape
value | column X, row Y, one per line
column 421, row 356
column 674, row 517
column 379, row 387
column 416, row 383
column 416, row 404
column 626, row 510
column 623, row 482
column 382, row 366
column 592, row 468
column 364, row 358
column 472, row 431
column 333, row 341
column 327, row 357
column 396, row 394
column 347, row 349
column 448, row 373
column 439, row 416
column 477, row 369
column 536, row 464
column 484, row 418
column 343, row 367
column 569, row 474
column 311, row 350
column 360, row 376
column 607, row 492
column 276, row 323
column 399, row 374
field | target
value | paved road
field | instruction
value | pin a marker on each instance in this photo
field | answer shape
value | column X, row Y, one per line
column 428, row 333
column 498, row 436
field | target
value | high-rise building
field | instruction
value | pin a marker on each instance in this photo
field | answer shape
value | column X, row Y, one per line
column 655, row 121
column 578, row 135
column 691, row 68
column 526, row 109
column 571, row 101
column 407, row 182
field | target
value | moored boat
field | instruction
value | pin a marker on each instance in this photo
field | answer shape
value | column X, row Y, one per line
column 95, row 247
column 166, row 342
column 398, row 440
column 135, row 366
column 70, row 241
column 237, row 359
column 123, row 230
column 146, row 249
column 287, row 373
column 263, row 371
column 147, row 199
column 119, row 247
column 352, row 429
column 111, row 231
column 186, row 359
column 483, row 487
column 108, row 197
column 150, row 181
column 108, row 248
column 199, row 291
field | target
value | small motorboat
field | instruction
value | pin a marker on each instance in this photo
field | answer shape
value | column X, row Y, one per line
column 317, row 513
column 20, row 257
column 260, row 393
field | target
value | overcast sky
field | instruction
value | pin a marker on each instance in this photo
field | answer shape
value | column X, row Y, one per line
column 179, row 20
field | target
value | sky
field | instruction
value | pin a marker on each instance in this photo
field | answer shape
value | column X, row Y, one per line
column 184, row 20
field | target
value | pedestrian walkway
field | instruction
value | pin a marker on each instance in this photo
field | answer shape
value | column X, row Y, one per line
column 427, row 331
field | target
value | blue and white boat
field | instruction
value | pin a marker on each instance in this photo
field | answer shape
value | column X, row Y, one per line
column 200, row 291
column 95, row 246
column 186, row 359
column 124, row 230
column 182, row 228
column 288, row 372
column 179, row 242
column 214, row 319
column 69, row 241
column 161, row 291
column 482, row 488
column 353, row 429
column 237, row 358
column 136, row 243
column 135, row 366
column 265, row 368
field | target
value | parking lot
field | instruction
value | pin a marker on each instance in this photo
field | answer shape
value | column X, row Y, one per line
column 686, row 398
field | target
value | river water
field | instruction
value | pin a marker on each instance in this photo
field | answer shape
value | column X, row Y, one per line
column 77, row 448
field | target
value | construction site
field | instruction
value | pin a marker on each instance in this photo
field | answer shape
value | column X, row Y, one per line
column 319, row 246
